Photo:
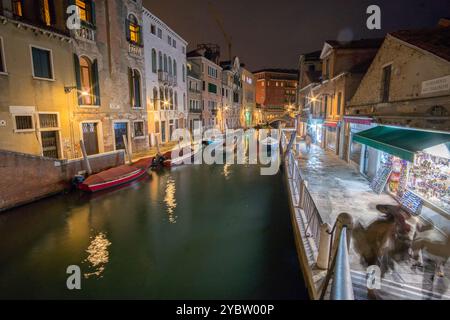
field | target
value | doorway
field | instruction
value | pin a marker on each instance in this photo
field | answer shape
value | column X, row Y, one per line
column 120, row 130
column 90, row 137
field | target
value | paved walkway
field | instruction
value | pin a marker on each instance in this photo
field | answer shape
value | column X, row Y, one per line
column 337, row 187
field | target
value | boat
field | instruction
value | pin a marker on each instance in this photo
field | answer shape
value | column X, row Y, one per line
column 181, row 159
column 116, row 176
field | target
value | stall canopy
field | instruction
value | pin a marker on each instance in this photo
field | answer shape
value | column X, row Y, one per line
column 405, row 143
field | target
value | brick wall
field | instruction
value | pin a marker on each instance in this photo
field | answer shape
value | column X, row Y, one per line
column 25, row 178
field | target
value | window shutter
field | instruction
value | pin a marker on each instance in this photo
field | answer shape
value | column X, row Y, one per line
column 96, row 82
column 93, row 13
column 78, row 78
column 130, row 85
column 127, row 29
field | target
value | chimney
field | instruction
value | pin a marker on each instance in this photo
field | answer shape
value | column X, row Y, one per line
column 444, row 23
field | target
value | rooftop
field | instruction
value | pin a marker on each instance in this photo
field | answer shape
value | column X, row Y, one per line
column 372, row 43
column 275, row 70
column 434, row 40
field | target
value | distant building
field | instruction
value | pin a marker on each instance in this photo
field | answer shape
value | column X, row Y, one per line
column 276, row 91
column 343, row 67
column 231, row 94
column 195, row 98
column 249, row 111
column 166, row 78
column 211, row 77
column 310, row 75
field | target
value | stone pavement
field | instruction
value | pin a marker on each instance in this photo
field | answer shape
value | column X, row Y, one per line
column 337, row 187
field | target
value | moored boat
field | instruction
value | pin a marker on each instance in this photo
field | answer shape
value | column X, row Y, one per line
column 181, row 159
column 116, row 176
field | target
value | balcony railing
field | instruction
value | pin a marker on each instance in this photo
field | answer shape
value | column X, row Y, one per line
column 195, row 110
column 85, row 33
column 135, row 49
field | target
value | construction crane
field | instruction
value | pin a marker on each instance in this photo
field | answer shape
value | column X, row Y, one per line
column 216, row 16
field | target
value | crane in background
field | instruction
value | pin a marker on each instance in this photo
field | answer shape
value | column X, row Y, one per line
column 215, row 14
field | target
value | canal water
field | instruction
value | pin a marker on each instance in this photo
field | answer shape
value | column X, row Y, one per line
column 193, row 232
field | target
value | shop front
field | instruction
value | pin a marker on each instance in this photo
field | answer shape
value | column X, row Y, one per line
column 413, row 166
column 316, row 129
column 332, row 135
column 355, row 152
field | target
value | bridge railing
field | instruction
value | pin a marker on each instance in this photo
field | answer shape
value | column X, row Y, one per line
column 332, row 256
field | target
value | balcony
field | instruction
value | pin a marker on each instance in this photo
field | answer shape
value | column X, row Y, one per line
column 85, row 33
column 195, row 110
column 163, row 77
column 134, row 49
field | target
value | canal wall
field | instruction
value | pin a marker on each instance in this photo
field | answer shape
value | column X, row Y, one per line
column 26, row 178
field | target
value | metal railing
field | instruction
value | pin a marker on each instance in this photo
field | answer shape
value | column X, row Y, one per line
column 338, row 261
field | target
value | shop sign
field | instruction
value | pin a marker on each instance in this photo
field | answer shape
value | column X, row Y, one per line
column 436, row 85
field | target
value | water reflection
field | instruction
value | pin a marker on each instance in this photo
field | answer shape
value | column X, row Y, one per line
column 170, row 199
column 226, row 171
column 98, row 255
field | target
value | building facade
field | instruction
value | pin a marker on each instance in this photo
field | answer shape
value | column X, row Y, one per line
column 276, row 91
column 343, row 66
column 166, row 79
column 86, row 81
column 211, row 77
column 249, row 112
column 35, row 111
column 398, row 121
column 231, row 94
column 310, row 75
column 194, row 93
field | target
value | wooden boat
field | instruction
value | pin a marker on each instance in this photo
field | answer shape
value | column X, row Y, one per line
column 116, row 176
column 169, row 162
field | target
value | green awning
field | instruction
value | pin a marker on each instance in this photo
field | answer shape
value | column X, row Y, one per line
column 403, row 143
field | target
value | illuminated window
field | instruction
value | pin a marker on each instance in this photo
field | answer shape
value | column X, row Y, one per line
column 46, row 16
column 86, row 10
column 86, row 81
column 18, row 7
column 134, row 30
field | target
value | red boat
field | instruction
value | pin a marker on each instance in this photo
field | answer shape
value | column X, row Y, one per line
column 116, row 176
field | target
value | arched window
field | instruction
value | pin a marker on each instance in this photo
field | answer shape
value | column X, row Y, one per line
column 175, row 68
column 166, row 98
column 155, row 98
column 86, row 81
column 133, row 30
column 170, row 99
column 154, row 67
column 184, row 73
column 170, row 65
column 161, row 98
column 160, row 64
column 165, row 63
column 176, row 100
column 135, row 88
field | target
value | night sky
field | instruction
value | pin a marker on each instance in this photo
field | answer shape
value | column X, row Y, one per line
column 273, row 33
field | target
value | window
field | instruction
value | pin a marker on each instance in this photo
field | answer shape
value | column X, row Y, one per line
column 339, row 102
column 327, row 68
column 169, row 40
column 169, row 62
column 386, row 83
column 212, row 88
column 174, row 43
column 155, row 98
column 154, row 67
column 48, row 121
column 23, row 123
column 17, row 6
column 42, row 63
column 153, row 29
column 175, row 68
column 133, row 30
column 47, row 13
column 159, row 33
column 165, row 63
column 135, row 88
column 184, row 73
column 2, row 57
column 176, row 100
column 212, row 72
column 183, row 50
column 160, row 63
column 139, row 129
column 87, row 12
column 86, row 73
